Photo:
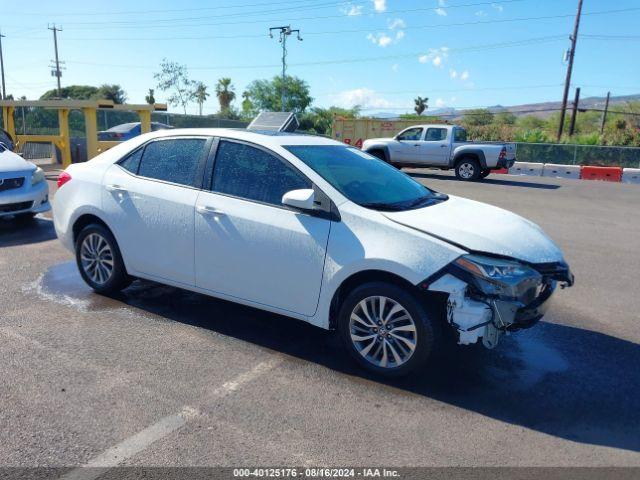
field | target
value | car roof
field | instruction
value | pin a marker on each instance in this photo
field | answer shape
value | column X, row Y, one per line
column 266, row 138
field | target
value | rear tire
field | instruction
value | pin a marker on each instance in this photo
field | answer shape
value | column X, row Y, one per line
column 99, row 260
column 387, row 330
column 467, row 169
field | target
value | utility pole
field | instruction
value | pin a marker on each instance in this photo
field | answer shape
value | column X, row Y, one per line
column 574, row 112
column 3, row 94
column 604, row 114
column 56, row 73
column 567, row 82
column 284, row 33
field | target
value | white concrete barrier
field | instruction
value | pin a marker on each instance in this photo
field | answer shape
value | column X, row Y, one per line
column 526, row 168
column 561, row 171
column 630, row 175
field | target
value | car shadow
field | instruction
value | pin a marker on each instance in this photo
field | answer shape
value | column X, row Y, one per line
column 564, row 381
column 25, row 231
column 491, row 181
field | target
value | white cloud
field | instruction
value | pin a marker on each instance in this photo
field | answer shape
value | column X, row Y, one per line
column 453, row 74
column 380, row 5
column 352, row 10
column 436, row 56
column 440, row 103
column 464, row 75
column 380, row 39
column 481, row 13
column 364, row 97
column 499, row 8
column 395, row 67
column 396, row 23
column 399, row 35
column 442, row 3
column 441, row 11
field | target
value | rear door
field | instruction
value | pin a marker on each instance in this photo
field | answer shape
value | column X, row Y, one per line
column 247, row 244
column 434, row 149
column 149, row 200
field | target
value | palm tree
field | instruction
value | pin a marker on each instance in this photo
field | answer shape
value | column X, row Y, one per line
column 421, row 105
column 225, row 94
column 200, row 94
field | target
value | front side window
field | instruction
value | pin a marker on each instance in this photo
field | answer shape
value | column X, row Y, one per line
column 364, row 179
column 436, row 134
column 174, row 160
column 251, row 173
column 412, row 134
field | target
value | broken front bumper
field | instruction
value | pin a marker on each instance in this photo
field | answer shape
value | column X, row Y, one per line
column 476, row 315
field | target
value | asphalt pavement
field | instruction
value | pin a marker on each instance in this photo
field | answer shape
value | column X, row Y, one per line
column 161, row 376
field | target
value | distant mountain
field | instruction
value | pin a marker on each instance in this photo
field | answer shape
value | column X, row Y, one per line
column 540, row 110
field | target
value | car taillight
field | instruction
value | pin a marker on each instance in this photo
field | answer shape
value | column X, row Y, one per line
column 503, row 154
column 63, row 178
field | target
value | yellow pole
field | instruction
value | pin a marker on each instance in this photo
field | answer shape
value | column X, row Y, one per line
column 145, row 120
column 64, row 143
column 8, row 122
column 91, row 129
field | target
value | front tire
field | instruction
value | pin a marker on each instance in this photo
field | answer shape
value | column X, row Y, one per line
column 99, row 260
column 386, row 329
column 467, row 169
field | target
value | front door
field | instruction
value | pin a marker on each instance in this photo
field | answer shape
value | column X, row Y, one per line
column 248, row 245
column 405, row 149
column 149, row 199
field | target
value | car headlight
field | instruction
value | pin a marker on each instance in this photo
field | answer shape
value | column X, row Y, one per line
column 503, row 278
column 37, row 177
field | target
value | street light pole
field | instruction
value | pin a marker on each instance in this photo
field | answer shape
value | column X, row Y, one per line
column 284, row 32
column 3, row 94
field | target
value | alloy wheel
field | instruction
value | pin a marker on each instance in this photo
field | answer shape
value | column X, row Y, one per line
column 466, row 170
column 383, row 332
column 97, row 258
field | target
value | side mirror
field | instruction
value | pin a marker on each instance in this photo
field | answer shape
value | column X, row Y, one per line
column 303, row 199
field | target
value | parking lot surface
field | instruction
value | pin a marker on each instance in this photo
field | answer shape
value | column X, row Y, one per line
column 161, row 376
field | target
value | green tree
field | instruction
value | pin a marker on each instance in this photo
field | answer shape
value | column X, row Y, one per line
column 174, row 78
column 114, row 93
column 225, row 93
column 530, row 122
column 421, row 105
column 73, row 92
column 504, row 118
column 149, row 98
column 247, row 106
column 266, row 95
column 320, row 120
column 477, row 116
column 201, row 95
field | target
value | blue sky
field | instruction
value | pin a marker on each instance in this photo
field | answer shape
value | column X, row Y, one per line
column 379, row 54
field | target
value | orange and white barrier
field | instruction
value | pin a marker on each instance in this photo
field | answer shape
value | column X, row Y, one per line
column 631, row 175
column 561, row 171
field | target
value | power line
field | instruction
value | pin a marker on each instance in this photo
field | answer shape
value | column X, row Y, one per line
column 335, row 32
column 524, row 42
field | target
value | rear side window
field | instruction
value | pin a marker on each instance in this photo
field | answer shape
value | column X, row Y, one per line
column 248, row 172
column 175, row 160
column 459, row 135
column 132, row 162
column 436, row 134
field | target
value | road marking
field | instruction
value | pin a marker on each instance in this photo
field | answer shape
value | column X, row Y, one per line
column 140, row 441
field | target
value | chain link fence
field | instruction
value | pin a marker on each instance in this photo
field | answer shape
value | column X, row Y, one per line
column 628, row 157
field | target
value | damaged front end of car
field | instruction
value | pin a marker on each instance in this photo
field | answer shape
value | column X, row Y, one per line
column 489, row 296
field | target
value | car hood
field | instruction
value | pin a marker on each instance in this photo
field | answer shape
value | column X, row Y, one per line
column 480, row 227
column 12, row 162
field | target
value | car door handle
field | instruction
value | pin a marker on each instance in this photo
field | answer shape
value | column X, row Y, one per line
column 205, row 210
column 115, row 188
column 443, row 146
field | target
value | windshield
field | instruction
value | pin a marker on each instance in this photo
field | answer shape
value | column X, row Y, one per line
column 364, row 179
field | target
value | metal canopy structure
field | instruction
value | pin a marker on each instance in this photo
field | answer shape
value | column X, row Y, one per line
column 275, row 122
column 89, row 109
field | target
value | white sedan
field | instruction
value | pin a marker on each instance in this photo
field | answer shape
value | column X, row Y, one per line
column 23, row 188
column 310, row 228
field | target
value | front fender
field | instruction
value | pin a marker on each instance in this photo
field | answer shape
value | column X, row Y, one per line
column 378, row 146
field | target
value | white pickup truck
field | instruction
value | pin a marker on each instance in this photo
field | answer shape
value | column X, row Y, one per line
column 445, row 147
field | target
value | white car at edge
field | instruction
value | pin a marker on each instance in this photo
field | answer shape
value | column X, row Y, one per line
column 310, row 228
column 23, row 189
